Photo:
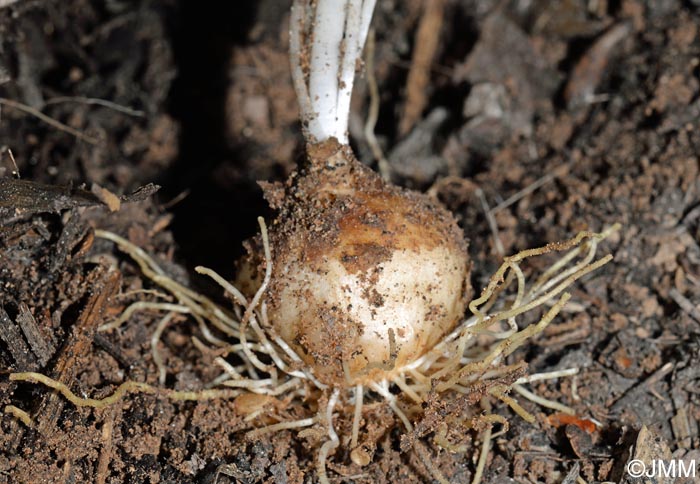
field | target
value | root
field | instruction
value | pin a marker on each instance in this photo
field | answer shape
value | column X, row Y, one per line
column 428, row 463
column 19, row 414
column 248, row 315
column 442, row 441
column 483, row 456
column 121, row 391
column 383, row 389
column 359, row 394
column 499, row 392
column 454, row 364
column 296, row 424
column 155, row 337
column 141, row 306
column 505, row 347
column 199, row 306
column 543, row 401
column 550, row 375
column 386, row 365
column 373, row 112
column 238, row 296
column 245, row 329
column 400, row 381
column 548, row 286
column 330, row 444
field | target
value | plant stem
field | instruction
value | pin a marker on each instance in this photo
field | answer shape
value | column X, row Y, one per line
column 327, row 36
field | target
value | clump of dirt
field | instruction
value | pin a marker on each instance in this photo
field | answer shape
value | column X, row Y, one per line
column 540, row 119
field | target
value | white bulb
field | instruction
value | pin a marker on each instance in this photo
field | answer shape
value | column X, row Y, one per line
column 366, row 277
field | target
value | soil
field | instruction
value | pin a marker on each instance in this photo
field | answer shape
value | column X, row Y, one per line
column 585, row 112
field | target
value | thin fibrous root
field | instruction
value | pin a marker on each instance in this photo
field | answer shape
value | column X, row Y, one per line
column 428, row 462
column 250, row 318
column 249, row 314
column 546, row 287
column 19, row 414
column 549, row 375
column 155, row 337
column 357, row 416
column 505, row 347
column 544, row 402
column 499, row 391
column 295, row 424
column 451, row 365
column 141, row 306
column 481, row 463
column 199, row 305
column 206, row 311
column 121, row 391
column 330, row 444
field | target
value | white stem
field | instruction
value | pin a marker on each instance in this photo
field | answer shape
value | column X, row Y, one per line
column 329, row 23
column 332, row 42
column 297, row 27
column 350, row 51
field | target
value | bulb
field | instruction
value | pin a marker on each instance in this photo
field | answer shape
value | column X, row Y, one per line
column 366, row 277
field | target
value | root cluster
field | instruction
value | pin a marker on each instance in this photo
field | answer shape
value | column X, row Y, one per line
column 467, row 365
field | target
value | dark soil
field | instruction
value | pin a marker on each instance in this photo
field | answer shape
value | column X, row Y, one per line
column 594, row 107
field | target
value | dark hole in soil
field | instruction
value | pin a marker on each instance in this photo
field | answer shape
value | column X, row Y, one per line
column 218, row 213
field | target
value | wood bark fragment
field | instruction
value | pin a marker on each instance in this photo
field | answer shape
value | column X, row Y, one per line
column 41, row 346
column 78, row 344
column 590, row 69
column 71, row 235
column 107, row 444
column 12, row 337
column 650, row 447
column 34, row 197
column 681, row 428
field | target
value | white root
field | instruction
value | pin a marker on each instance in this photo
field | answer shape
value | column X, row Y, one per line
column 251, row 307
column 357, row 416
column 382, row 388
column 142, row 306
column 550, row 375
column 330, row 444
column 544, row 402
column 296, row 424
column 228, row 287
column 155, row 337
column 485, row 448
column 452, row 365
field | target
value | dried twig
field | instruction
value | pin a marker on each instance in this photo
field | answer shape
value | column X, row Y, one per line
column 519, row 195
column 96, row 101
column 48, row 120
column 622, row 401
column 685, row 304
